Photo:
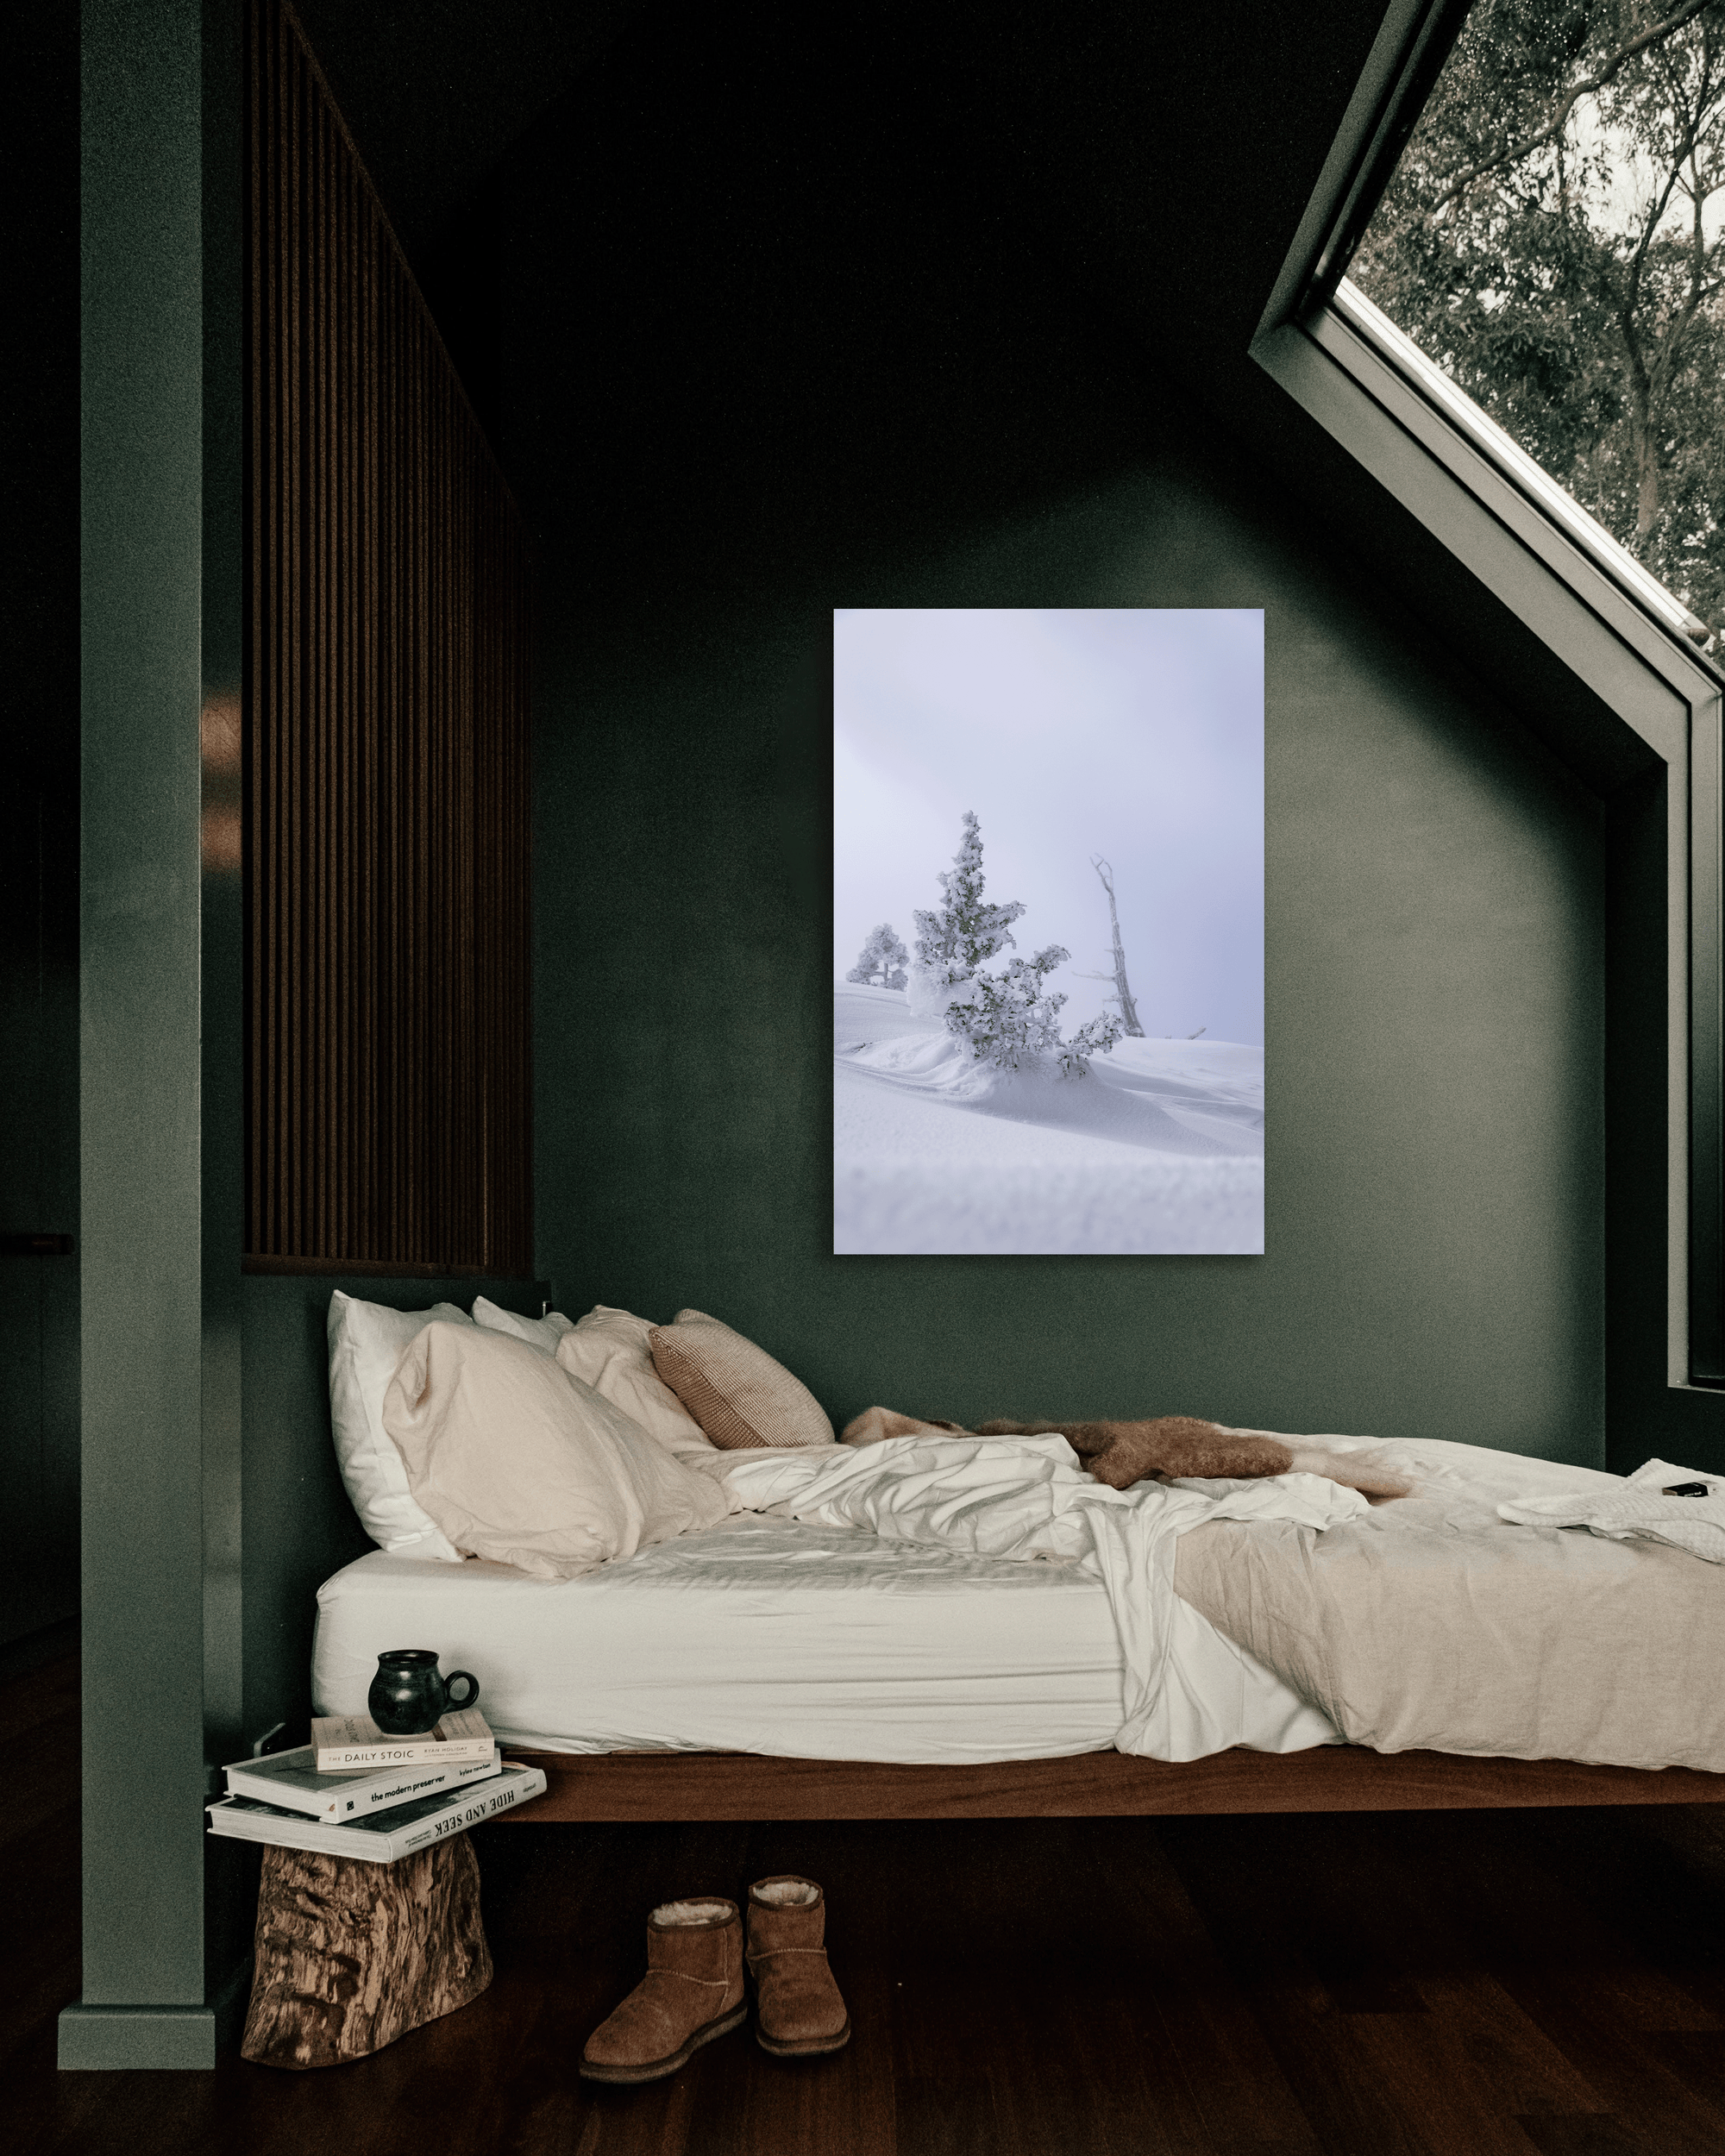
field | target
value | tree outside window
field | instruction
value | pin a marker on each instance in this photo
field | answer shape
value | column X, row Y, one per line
column 1554, row 238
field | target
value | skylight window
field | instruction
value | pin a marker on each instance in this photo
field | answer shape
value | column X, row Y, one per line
column 1553, row 239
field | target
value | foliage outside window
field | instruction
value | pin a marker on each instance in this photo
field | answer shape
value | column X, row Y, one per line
column 1554, row 238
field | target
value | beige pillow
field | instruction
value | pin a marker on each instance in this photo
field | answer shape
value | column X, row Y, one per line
column 611, row 1351
column 517, row 1460
column 542, row 1332
column 735, row 1390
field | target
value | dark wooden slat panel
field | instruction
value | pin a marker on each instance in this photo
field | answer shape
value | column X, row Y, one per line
column 1098, row 1785
column 387, row 736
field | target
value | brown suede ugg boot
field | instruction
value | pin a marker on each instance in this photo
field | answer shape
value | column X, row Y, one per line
column 798, row 2010
column 691, row 1992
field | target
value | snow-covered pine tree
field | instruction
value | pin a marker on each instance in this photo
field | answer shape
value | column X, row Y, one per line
column 880, row 963
column 1013, row 1016
column 1006, row 1018
column 1096, row 1038
column 1010, row 1015
column 954, row 938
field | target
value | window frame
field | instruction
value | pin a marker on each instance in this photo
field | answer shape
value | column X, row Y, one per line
column 1583, row 596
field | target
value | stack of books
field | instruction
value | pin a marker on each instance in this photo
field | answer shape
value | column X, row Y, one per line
column 355, row 1792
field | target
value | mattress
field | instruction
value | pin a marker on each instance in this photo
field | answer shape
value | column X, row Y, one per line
column 764, row 1635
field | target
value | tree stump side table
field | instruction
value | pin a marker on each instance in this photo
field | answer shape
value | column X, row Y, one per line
column 351, row 1955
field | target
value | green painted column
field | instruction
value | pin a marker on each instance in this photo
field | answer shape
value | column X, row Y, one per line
column 142, row 1027
column 231, row 1895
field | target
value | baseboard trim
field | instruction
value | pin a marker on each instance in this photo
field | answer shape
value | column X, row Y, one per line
column 179, row 2038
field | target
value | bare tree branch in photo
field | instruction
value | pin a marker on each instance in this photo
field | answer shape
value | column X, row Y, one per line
column 1123, row 995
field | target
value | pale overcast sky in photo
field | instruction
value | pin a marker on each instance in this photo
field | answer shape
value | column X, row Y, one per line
column 1137, row 734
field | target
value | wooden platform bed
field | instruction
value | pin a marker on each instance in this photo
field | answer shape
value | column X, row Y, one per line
column 738, row 1785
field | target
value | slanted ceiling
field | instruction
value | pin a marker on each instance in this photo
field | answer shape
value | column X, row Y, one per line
column 1163, row 160
column 704, row 177
column 1153, row 168
column 436, row 91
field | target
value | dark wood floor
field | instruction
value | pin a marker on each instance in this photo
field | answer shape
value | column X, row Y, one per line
column 1381, row 1984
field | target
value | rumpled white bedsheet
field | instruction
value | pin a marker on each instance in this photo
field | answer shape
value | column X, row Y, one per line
column 1190, row 1690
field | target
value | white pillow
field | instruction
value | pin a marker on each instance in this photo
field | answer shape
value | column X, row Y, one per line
column 519, row 1462
column 541, row 1332
column 610, row 1351
column 365, row 1342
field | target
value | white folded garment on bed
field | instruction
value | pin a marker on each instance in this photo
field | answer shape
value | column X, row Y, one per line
column 1638, row 1507
column 775, row 1636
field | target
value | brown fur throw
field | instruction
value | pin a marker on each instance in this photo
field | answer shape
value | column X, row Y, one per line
column 1122, row 1453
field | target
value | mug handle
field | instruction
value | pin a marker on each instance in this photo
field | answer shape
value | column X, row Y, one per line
column 460, row 1676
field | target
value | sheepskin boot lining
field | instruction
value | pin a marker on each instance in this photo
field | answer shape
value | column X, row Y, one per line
column 693, row 1913
column 787, row 1894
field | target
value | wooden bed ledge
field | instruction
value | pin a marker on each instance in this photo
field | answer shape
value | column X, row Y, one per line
column 740, row 1785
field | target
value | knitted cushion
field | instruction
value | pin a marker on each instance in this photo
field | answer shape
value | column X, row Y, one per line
column 735, row 1390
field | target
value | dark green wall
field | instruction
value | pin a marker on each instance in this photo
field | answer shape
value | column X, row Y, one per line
column 1433, row 1024
column 1647, row 1416
column 770, row 348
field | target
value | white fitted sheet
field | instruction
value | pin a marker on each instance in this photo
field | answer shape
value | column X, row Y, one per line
column 760, row 1635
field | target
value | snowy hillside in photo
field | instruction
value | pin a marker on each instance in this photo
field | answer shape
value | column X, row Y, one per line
column 1159, row 1149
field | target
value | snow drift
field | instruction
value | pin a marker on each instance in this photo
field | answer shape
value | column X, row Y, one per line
column 1160, row 1149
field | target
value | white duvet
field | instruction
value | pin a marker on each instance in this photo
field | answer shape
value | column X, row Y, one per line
column 1189, row 1690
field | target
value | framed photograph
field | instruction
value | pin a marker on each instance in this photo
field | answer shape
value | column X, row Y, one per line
column 1048, row 932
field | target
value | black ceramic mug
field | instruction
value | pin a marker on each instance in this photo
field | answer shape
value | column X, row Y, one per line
column 408, row 1697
